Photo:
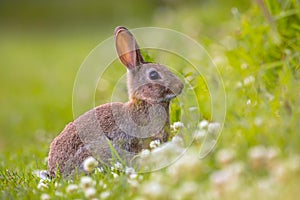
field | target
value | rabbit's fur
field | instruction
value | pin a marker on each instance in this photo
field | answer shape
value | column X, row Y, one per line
column 128, row 127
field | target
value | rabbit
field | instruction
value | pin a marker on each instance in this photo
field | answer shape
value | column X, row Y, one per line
column 127, row 127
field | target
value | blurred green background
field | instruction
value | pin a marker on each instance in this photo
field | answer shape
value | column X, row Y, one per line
column 43, row 43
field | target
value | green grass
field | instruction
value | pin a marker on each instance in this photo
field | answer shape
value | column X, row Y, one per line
column 258, row 60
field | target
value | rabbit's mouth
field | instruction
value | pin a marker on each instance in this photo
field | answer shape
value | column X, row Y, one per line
column 170, row 96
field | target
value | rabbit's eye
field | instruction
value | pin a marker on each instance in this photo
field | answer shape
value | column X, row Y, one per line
column 153, row 75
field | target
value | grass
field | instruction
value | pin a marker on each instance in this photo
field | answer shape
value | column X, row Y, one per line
column 257, row 155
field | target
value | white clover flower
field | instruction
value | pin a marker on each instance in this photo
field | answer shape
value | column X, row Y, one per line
column 279, row 172
column 248, row 80
column 154, row 144
column 45, row 197
column 145, row 153
column 272, row 155
column 115, row 175
column 133, row 183
column 102, row 184
column 248, row 102
column 200, row 134
column 265, row 185
column 177, row 140
column 90, row 192
column 187, row 163
column 72, row 188
column 104, row 195
column 237, row 168
column 133, row 176
column 154, row 190
column 257, row 156
column 213, row 127
column 129, row 170
column 89, row 164
column 141, row 178
column 42, row 174
column 220, row 178
column 86, row 182
column 118, row 166
column 244, row 66
column 59, row 194
column 239, row 85
column 225, row 156
column 188, row 190
column 219, row 60
column 225, row 180
column 203, row 124
column 42, row 185
column 177, row 125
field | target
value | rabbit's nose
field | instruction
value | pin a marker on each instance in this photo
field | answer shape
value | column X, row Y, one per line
column 177, row 87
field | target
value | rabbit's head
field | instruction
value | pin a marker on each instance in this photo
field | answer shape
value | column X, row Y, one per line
column 151, row 82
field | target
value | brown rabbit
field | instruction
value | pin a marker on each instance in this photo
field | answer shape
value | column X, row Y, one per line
column 128, row 127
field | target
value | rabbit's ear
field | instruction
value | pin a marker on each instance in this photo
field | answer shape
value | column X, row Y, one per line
column 127, row 48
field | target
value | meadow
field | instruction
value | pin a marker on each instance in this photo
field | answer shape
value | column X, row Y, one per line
column 256, row 49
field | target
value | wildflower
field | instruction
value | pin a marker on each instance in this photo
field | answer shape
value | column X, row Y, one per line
column 187, row 163
column 133, row 183
column 220, row 178
column 42, row 185
column 86, row 182
column 178, row 125
column 154, row 144
column 133, row 176
column 248, row 80
column 239, row 85
column 187, row 191
column 225, row 156
column 244, row 65
column 115, row 175
column 57, row 185
column 257, row 156
column 248, row 102
column 117, row 166
column 102, row 184
column 145, row 153
column 199, row 134
column 129, row 170
column 267, row 188
column 224, row 180
column 104, row 195
column 286, row 169
column 42, row 174
column 72, row 188
column 45, row 197
column 272, row 155
column 90, row 192
column 177, row 140
column 59, row 194
column 203, row 124
column 90, row 164
column 213, row 127
column 154, row 190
